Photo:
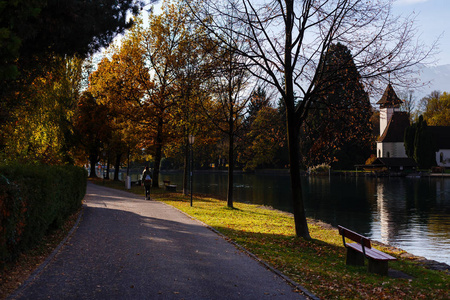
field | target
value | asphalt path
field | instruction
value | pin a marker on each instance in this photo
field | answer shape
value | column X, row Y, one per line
column 128, row 248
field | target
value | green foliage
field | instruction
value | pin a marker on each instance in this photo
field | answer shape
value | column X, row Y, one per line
column 424, row 146
column 33, row 200
column 34, row 32
column 420, row 145
column 40, row 130
column 16, row 18
column 92, row 128
column 68, row 27
column 263, row 131
column 410, row 135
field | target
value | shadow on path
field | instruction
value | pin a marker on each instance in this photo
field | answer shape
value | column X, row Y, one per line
column 129, row 248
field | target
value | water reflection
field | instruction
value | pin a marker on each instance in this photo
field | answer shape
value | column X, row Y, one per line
column 410, row 213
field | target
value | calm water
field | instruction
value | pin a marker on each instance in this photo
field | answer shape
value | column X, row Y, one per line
column 410, row 213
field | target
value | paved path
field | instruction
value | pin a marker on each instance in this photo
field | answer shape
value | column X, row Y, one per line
column 129, row 248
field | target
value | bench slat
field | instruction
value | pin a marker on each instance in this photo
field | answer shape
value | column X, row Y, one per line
column 371, row 252
column 378, row 255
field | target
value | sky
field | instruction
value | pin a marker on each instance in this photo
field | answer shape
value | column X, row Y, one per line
column 432, row 21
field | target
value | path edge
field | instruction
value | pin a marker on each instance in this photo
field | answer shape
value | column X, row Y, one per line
column 52, row 255
column 253, row 256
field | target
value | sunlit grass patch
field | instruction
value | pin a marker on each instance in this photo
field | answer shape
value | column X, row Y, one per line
column 317, row 264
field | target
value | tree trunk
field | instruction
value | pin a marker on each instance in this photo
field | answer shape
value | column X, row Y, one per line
column 301, row 226
column 293, row 129
column 93, row 161
column 230, row 172
column 108, row 165
column 158, row 154
column 230, row 146
column 186, row 167
column 117, row 166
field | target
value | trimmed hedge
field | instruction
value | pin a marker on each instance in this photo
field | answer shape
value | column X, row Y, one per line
column 35, row 199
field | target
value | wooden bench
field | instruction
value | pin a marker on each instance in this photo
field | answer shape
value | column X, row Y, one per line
column 169, row 187
column 356, row 252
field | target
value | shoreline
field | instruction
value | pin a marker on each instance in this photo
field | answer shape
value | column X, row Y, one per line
column 427, row 263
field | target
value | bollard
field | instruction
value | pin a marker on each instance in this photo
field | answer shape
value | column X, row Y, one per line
column 128, row 183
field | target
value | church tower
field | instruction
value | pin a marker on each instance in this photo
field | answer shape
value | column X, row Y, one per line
column 393, row 123
column 389, row 104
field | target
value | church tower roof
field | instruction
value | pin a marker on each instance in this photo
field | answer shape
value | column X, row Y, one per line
column 390, row 98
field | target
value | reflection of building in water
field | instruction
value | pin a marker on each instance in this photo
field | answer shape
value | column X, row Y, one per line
column 391, row 209
column 383, row 214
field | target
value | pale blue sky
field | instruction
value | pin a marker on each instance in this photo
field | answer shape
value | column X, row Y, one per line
column 432, row 20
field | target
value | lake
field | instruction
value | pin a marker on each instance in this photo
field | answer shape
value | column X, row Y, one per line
column 409, row 213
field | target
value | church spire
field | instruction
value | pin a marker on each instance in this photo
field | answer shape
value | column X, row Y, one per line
column 390, row 98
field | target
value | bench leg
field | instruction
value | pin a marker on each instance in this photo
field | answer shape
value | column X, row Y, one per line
column 378, row 267
column 354, row 257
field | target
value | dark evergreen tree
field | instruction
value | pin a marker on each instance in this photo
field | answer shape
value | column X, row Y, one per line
column 410, row 135
column 424, row 146
column 338, row 129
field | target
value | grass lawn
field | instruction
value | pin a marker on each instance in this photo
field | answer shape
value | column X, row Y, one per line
column 319, row 264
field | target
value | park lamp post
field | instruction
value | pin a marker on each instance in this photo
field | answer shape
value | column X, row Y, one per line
column 191, row 142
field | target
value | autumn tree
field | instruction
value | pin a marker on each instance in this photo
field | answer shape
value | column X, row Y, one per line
column 264, row 139
column 35, row 34
column 195, row 62
column 162, row 57
column 228, row 110
column 92, row 127
column 230, row 91
column 41, row 130
column 154, row 61
column 286, row 41
column 113, row 85
column 436, row 109
column 263, row 135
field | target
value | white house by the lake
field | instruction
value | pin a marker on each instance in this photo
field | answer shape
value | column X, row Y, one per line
column 441, row 135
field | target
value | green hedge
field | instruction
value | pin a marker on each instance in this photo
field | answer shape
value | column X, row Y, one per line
column 35, row 199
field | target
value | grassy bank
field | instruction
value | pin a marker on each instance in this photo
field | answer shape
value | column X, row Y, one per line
column 318, row 265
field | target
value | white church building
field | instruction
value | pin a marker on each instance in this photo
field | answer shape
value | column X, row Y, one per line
column 393, row 123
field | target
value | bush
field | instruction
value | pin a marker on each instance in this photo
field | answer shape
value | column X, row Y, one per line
column 34, row 200
column 319, row 169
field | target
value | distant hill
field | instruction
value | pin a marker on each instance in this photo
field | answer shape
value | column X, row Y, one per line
column 439, row 77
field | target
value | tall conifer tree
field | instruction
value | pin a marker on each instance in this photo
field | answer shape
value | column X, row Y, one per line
column 338, row 130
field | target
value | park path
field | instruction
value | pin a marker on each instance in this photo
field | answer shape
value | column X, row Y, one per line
column 129, row 248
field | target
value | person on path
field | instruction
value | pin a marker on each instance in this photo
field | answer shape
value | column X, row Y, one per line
column 147, row 180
